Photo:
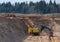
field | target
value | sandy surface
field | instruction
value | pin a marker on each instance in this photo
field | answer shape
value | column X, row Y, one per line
column 14, row 30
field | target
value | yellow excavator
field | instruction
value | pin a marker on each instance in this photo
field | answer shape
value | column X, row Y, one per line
column 35, row 31
column 32, row 28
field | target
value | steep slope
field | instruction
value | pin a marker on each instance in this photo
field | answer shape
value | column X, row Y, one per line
column 11, row 30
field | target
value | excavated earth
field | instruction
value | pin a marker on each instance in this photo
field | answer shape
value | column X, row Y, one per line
column 14, row 30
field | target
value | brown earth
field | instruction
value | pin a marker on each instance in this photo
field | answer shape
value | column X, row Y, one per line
column 14, row 29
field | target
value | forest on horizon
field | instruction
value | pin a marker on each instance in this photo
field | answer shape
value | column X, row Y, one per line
column 40, row 7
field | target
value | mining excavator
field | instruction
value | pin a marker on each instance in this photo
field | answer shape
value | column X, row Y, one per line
column 34, row 30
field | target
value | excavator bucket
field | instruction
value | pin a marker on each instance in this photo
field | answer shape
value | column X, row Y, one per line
column 51, row 34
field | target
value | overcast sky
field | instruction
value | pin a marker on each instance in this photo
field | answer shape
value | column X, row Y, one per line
column 13, row 1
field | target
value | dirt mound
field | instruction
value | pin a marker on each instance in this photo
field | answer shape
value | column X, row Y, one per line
column 12, row 30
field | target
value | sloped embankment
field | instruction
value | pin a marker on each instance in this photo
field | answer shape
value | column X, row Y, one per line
column 12, row 30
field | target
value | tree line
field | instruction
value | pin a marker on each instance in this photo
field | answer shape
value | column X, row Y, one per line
column 40, row 7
